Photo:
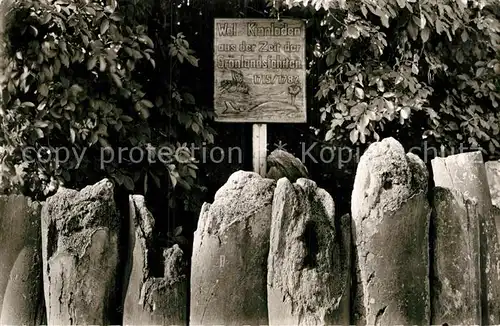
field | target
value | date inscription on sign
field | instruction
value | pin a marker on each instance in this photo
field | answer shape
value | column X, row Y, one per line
column 260, row 70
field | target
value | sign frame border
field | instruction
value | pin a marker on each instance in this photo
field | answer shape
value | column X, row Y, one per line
column 304, row 75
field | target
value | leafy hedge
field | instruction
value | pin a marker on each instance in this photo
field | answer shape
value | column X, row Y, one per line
column 411, row 69
column 78, row 75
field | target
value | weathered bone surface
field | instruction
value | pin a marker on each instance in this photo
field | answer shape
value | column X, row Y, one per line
column 391, row 216
column 308, row 279
column 21, row 294
column 229, row 262
column 493, row 175
column 466, row 174
column 455, row 278
column 284, row 165
column 80, row 232
column 152, row 300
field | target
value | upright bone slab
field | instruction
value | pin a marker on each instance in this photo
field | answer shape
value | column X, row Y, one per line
column 229, row 262
column 21, row 294
column 80, row 255
column 152, row 300
column 309, row 258
column 466, row 174
column 456, row 278
column 493, row 175
column 391, row 216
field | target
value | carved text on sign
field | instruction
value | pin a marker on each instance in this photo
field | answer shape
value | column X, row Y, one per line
column 259, row 70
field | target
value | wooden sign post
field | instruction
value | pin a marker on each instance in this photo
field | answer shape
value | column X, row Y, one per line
column 260, row 76
column 259, row 148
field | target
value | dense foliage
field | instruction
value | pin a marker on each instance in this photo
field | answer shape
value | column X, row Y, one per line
column 410, row 69
column 90, row 85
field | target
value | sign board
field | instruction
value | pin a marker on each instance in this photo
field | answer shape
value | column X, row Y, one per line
column 260, row 70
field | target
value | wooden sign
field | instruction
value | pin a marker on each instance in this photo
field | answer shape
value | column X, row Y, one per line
column 260, row 70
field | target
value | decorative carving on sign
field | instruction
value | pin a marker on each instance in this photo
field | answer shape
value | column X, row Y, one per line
column 236, row 84
column 259, row 70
